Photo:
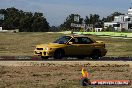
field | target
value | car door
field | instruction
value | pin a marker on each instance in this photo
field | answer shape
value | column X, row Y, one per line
column 73, row 49
column 86, row 46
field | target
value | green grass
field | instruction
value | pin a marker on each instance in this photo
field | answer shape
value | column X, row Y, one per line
column 23, row 44
column 122, row 34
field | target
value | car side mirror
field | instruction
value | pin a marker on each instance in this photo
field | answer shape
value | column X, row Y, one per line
column 70, row 43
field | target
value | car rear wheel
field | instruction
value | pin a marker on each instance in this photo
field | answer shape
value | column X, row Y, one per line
column 59, row 54
column 96, row 54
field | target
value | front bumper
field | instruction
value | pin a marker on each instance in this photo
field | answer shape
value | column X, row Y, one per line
column 43, row 53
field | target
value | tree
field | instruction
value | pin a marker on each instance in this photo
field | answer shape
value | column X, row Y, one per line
column 93, row 19
column 87, row 20
column 70, row 19
column 38, row 24
column 25, row 21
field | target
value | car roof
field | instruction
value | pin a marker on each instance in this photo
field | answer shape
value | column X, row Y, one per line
column 77, row 35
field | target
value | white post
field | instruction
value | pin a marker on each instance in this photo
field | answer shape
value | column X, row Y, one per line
column 0, row 28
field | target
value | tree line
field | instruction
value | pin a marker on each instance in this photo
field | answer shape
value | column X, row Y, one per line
column 90, row 19
column 36, row 22
column 24, row 21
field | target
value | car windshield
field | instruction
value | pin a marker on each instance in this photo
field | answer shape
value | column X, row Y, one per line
column 63, row 40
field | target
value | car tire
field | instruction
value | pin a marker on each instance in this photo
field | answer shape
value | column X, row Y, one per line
column 44, row 57
column 96, row 54
column 59, row 54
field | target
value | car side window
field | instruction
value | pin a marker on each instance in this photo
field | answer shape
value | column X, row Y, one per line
column 81, row 40
column 86, row 40
column 75, row 40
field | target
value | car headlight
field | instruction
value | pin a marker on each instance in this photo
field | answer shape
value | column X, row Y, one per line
column 46, row 48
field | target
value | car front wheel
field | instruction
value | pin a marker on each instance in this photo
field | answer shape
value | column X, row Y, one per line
column 59, row 54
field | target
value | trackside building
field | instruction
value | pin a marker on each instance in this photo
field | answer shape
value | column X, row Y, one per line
column 121, row 23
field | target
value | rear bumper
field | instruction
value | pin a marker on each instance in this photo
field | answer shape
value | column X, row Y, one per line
column 103, row 52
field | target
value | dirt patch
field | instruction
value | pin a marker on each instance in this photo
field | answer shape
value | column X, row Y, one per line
column 60, row 74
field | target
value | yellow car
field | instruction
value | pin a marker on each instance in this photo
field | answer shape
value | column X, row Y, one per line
column 72, row 45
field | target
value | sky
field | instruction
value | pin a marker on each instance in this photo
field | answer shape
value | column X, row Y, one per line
column 56, row 11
